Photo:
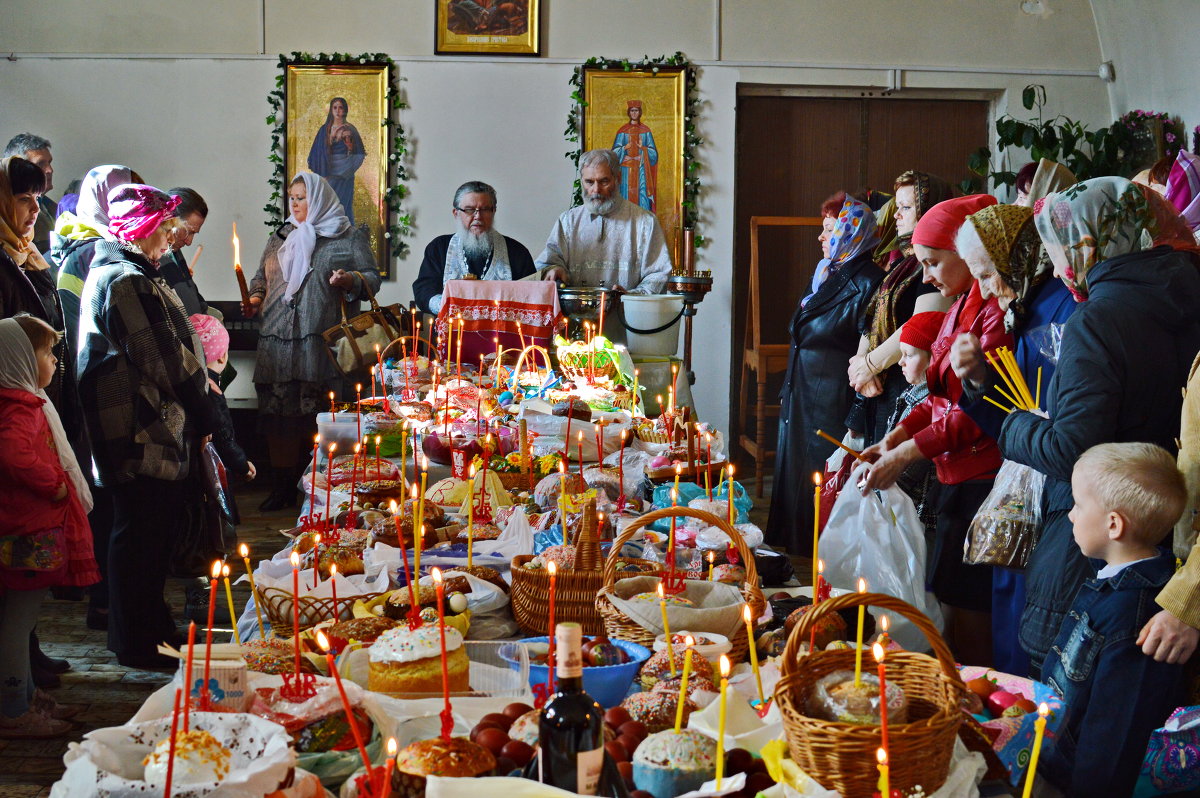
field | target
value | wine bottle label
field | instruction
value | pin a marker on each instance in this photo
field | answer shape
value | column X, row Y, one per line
column 569, row 637
column 588, row 766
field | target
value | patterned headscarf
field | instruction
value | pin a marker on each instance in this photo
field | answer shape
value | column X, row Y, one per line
column 1013, row 246
column 91, row 211
column 18, row 247
column 1169, row 228
column 136, row 210
column 1183, row 187
column 853, row 234
column 928, row 190
column 1091, row 222
column 885, row 227
column 1049, row 177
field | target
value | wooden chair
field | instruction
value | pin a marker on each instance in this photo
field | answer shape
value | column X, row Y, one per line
column 763, row 359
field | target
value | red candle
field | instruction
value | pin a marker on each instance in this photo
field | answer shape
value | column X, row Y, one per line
column 552, row 568
column 416, row 340
column 458, row 357
column 189, row 678
column 212, row 605
column 379, row 361
column 412, row 588
column 323, row 643
column 333, row 585
column 329, row 481
column 312, row 481
column 354, row 473
column 877, row 650
column 441, row 594
column 579, row 441
column 567, row 437
column 621, row 472
column 378, row 467
column 332, row 408
column 358, row 406
column 171, row 745
column 295, row 558
column 599, row 445
column 386, row 790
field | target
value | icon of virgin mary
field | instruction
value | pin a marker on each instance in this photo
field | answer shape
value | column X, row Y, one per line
column 337, row 153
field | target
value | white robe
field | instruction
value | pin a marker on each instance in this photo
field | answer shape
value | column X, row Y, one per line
column 625, row 248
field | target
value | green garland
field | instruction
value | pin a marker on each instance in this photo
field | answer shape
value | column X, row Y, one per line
column 691, row 139
column 399, row 222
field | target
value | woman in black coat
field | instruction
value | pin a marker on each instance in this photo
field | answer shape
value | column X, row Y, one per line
column 825, row 330
column 1125, row 356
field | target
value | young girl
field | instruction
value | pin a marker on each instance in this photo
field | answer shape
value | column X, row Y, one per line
column 45, row 539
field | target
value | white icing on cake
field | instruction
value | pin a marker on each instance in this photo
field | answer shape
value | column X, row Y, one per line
column 199, row 759
column 404, row 645
column 688, row 750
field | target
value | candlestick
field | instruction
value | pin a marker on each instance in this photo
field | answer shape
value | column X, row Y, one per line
column 295, row 558
column 189, row 677
column 419, row 541
column 171, row 744
column 878, row 652
column 412, row 588
column 333, row 587
column 747, row 616
column 816, row 526
column 858, row 641
column 884, row 780
column 244, row 550
column 712, row 556
column 358, row 407
column 212, row 606
column 662, row 604
column 471, row 517
column 323, row 644
column 229, row 597
column 552, row 569
column 1039, row 729
column 447, row 716
column 237, row 269
column 729, row 470
column 385, row 791
column 688, row 642
column 378, row 467
column 579, row 441
column 562, row 501
column 721, row 720
column 332, row 407
column 329, row 481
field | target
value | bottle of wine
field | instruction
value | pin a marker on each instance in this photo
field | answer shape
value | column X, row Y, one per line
column 571, row 728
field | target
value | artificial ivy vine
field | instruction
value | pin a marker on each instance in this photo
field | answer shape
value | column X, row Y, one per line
column 399, row 223
column 691, row 139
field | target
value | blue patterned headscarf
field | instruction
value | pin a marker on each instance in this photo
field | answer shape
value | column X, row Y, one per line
column 853, row 234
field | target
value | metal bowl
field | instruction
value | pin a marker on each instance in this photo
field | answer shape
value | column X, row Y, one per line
column 580, row 303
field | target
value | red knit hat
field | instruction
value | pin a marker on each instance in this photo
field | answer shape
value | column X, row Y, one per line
column 922, row 330
column 937, row 226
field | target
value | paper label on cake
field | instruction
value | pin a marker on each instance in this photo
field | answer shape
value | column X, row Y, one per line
column 458, row 463
column 588, row 765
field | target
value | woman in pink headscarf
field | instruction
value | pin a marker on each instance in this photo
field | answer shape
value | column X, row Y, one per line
column 143, row 383
column 1183, row 188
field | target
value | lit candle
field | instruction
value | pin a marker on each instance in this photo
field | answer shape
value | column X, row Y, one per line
column 674, row 376
column 858, row 642
column 816, row 528
column 295, row 558
column 636, row 390
column 721, row 720
column 712, row 555
column 419, row 541
column 412, row 588
column 333, row 586
column 729, row 470
column 212, row 606
column 440, row 589
column 877, row 650
column 471, row 517
column 244, row 550
column 189, row 676
column 379, row 362
column 884, row 622
column 312, row 483
column 708, row 465
column 1039, row 729
column 171, row 744
column 747, row 616
column 884, row 781
column 354, row 473
column 562, row 499
column 329, row 481
column 229, row 597
column 404, row 453
column 378, row 467
column 323, row 644
column 388, row 767
column 688, row 642
column 358, row 407
column 662, row 604
column 332, row 407
column 552, row 569
column 579, row 442
column 599, row 445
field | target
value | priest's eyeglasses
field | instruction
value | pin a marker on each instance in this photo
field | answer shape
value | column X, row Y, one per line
column 474, row 211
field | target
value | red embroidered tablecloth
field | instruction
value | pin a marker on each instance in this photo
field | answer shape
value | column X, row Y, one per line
column 491, row 310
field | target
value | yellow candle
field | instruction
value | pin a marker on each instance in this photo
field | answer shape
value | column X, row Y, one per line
column 747, row 617
column 471, row 519
column 729, row 471
column 711, row 556
column 244, row 550
column 1039, row 728
column 229, row 597
column 816, row 529
column 662, row 605
column 884, row 782
column 421, row 525
column 858, row 645
column 688, row 642
column 562, row 497
column 721, row 720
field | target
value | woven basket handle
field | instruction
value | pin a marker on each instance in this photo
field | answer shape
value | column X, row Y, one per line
column 587, row 546
column 610, row 565
column 803, row 630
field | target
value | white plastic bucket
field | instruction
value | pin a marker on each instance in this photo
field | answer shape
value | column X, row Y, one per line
column 650, row 313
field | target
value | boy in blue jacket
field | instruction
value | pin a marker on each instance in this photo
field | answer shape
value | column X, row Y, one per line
column 1127, row 499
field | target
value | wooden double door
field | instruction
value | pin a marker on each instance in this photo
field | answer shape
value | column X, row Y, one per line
column 794, row 152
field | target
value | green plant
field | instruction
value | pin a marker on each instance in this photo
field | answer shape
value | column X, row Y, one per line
column 1087, row 153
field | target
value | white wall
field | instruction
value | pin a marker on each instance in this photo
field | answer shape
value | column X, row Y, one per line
column 199, row 119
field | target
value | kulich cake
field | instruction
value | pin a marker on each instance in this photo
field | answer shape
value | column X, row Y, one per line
column 273, row 656
column 836, row 697
column 400, row 600
column 562, row 555
column 480, row 532
column 457, row 757
column 667, row 764
column 379, row 491
column 358, row 630
column 729, row 574
column 199, row 759
column 573, row 406
column 656, row 711
column 348, row 559
column 414, row 411
column 696, row 684
column 671, row 601
column 658, row 667
column 481, row 572
column 404, row 660
column 830, row 627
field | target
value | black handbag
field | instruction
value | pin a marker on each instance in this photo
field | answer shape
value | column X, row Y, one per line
column 207, row 529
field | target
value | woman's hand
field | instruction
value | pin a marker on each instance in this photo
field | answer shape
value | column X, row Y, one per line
column 888, row 468
column 871, row 388
column 250, row 309
column 859, row 371
column 966, row 358
column 343, row 280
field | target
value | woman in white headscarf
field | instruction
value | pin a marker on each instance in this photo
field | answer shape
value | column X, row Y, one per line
column 314, row 261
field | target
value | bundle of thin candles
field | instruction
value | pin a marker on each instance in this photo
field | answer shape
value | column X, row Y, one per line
column 1005, row 363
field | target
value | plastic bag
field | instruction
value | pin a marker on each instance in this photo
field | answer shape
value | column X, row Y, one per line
column 1172, row 761
column 1009, row 521
column 880, row 538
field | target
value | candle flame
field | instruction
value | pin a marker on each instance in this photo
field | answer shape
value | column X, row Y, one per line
column 414, row 491
column 216, row 569
column 658, row 397
column 678, row 469
column 877, row 650
column 244, row 550
column 317, row 539
column 332, row 449
column 730, row 467
column 581, row 436
column 562, row 467
column 295, row 558
column 357, row 448
column 817, row 478
column 552, row 567
column 392, row 506
column 884, row 622
column 712, row 555
column 378, row 438
column 225, row 571
column 322, row 641
column 724, row 667
column 661, row 596
column 746, row 613
column 820, row 566
column 377, row 349
column 688, row 641
column 332, row 569
column 1043, row 709
column 331, row 396
column 622, row 436
column 472, row 470
column 237, row 247
column 881, row 756
column 316, row 440
column 391, row 746
column 437, row 574
column 862, row 585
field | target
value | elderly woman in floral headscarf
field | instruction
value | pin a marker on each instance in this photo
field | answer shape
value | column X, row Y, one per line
column 1004, row 253
column 874, row 371
column 143, row 383
column 1123, row 361
column 824, row 332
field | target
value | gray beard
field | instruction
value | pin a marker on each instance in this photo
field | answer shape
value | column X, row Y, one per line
column 476, row 246
column 601, row 207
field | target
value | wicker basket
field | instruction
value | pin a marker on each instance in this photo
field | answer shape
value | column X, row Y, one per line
column 618, row 625
column 841, row 756
column 277, row 604
column 574, row 590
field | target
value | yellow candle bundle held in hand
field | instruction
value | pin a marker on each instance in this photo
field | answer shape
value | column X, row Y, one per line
column 1018, row 395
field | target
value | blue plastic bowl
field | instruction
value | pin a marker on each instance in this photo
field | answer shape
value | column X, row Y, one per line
column 608, row 684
